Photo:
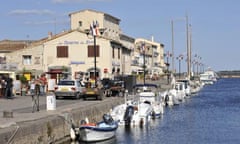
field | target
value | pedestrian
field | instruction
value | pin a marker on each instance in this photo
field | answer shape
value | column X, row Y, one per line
column 43, row 80
column 9, row 86
column 32, row 87
column 3, row 85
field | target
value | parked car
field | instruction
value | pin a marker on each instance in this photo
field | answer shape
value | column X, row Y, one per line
column 69, row 88
column 92, row 92
column 117, row 88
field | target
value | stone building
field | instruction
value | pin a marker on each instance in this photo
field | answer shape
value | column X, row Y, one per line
column 71, row 53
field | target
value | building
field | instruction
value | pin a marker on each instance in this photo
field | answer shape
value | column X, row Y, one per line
column 152, row 53
column 70, row 54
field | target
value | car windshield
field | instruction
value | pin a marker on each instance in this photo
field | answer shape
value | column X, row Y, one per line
column 66, row 83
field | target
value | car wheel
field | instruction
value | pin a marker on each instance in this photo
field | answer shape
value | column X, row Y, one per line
column 77, row 96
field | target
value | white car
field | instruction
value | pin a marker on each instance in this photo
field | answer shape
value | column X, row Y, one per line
column 69, row 88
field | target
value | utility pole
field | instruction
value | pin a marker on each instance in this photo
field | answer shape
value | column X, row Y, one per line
column 188, row 50
column 173, row 67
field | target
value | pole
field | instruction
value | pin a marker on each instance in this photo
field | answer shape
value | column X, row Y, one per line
column 95, row 62
column 173, row 69
column 179, row 67
column 188, row 50
column 144, row 66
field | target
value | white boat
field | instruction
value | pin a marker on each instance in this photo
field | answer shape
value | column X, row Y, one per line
column 148, row 93
column 187, row 87
column 138, row 112
column 95, row 132
column 167, row 98
column 123, row 112
column 178, row 92
column 208, row 77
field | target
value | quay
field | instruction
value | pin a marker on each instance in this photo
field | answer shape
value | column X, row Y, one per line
column 19, row 125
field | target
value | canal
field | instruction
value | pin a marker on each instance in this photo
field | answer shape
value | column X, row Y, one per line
column 210, row 117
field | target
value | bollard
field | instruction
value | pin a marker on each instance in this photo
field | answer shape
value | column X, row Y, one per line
column 51, row 101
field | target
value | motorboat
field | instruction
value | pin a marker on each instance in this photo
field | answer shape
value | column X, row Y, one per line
column 148, row 93
column 179, row 91
column 208, row 77
column 95, row 132
column 168, row 97
column 187, row 87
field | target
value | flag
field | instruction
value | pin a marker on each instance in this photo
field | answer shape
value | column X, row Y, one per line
column 94, row 28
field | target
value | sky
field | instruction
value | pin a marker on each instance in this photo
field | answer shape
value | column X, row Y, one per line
column 214, row 24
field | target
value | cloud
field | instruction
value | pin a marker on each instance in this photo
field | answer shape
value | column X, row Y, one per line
column 31, row 12
column 63, row 22
column 78, row 1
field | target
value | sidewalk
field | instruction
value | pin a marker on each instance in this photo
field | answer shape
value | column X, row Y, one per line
column 22, row 106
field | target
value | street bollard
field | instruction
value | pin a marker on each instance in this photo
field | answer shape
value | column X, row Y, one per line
column 51, row 101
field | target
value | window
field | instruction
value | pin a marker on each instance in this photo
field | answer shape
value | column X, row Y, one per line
column 113, row 55
column 91, row 51
column 80, row 23
column 62, row 51
column 118, row 53
column 27, row 59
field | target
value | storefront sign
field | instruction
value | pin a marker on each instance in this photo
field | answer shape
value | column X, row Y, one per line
column 77, row 62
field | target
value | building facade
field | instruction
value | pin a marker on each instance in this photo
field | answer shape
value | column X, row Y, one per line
column 70, row 54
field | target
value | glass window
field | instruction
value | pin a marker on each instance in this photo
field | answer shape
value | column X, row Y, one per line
column 27, row 60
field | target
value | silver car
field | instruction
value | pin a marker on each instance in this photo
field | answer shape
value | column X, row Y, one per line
column 69, row 88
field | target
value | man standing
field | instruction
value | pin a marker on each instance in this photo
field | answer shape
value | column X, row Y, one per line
column 9, row 85
column 43, row 84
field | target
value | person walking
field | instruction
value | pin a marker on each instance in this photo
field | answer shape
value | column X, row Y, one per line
column 32, row 87
column 9, row 86
column 43, row 80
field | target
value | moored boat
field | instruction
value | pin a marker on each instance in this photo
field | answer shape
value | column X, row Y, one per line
column 95, row 132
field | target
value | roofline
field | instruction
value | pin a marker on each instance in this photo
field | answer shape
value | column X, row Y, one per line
column 96, row 12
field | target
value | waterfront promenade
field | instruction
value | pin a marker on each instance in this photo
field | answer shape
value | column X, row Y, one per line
column 19, row 120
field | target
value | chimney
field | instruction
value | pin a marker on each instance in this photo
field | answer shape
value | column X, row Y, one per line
column 49, row 35
column 152, row 38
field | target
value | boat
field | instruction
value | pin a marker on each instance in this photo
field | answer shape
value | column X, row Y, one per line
column 95, row 132
column 187, row 87
column 168, row 97
column 148, row 93
column 208, row 77
column 132, row 113
column 178, row 92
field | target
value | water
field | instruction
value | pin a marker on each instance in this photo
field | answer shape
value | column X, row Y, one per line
column 210, row 117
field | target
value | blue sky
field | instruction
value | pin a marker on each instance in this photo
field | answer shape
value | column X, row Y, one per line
column 215, row 23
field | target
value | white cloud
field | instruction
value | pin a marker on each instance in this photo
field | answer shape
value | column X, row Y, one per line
column 46, row 22
column 31, row 12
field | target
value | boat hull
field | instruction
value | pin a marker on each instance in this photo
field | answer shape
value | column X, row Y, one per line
column 95, row 134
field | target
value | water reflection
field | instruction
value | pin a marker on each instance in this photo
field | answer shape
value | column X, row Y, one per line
column 109, row 141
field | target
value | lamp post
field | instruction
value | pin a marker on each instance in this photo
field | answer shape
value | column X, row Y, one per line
column 144, row 65
column 94, row 31
column 179, row 58
column 168, row 54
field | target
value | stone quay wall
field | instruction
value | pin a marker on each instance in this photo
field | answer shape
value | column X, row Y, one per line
column 56, row 127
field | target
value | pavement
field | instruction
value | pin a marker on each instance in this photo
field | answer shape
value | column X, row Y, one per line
column 20, row 108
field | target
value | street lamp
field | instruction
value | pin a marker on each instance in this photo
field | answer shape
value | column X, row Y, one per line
column 94, row 31
column 179, row 58
column 143, row 49
column 168, row 54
